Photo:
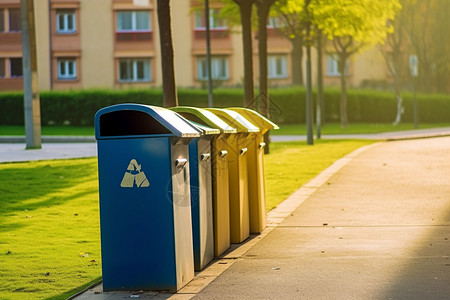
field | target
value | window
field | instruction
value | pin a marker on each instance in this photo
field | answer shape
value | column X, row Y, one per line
column 2, row 20
column 67, row 68
column 134, row 70
column 16, row 67
column 219, row 68
column 133, row 21
column 14, row 19
column 277, row 66
column 275, row 22
column 2, row 68
column 333, row 67
column 214, row 21
column 65, row 21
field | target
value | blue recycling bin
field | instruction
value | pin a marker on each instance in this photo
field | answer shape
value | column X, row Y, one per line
column 200, row 159
column 145, row 211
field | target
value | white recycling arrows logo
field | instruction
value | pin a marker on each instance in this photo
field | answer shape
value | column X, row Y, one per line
column 134, row 176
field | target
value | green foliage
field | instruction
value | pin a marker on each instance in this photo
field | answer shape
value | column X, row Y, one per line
column 78, row 108
column 365, row 21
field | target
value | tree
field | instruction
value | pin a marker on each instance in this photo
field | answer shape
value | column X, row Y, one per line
column 352, row 26
column 424, row 23
column 292, row 26
column 168, row 71
column 394, row 55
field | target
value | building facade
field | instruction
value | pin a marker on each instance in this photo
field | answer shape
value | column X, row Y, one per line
column 114, row 44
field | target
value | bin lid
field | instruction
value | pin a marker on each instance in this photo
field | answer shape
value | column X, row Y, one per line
column 206, row 130
column 130, row 119
column 234, row 119
column 204, row 117
column 256, row 118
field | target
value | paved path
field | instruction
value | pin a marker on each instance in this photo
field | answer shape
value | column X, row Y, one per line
column 378, row 229
column 374, row 225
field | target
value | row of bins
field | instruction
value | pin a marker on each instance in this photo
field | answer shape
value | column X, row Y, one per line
column 176, row 187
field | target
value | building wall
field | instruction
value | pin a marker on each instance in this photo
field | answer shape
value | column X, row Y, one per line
column 182, row 24
column 43, row 43
column 97, row 69
column 99, row 49
column 10, row 48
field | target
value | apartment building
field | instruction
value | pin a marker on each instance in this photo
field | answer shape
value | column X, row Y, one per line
column 115, row 44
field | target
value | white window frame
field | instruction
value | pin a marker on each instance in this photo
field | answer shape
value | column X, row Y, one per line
column 64, row 66
column 218, row 73
column 332, row 66
column 213, row 13
column 64, row 28
column 134, row 21
column 133, row 65
column 273, row 61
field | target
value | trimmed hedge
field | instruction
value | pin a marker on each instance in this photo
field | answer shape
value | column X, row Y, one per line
column 287, row 105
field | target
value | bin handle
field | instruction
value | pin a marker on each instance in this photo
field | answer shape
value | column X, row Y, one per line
column 205, row 156
column 180, row 163
column 223, row 153
column 243, row 151
column 262, row 145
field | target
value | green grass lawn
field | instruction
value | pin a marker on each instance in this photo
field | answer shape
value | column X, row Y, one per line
column 49, row 130
column 49, row 218
column 49, row 224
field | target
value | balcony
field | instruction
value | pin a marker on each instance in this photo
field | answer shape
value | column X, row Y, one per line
column 134, row 36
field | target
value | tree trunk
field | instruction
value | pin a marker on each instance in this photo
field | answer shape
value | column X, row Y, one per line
column 320, row 115
column 32, row 109
column 263, row 11
column 343, row 104
column 398, row 117
column 297, row 60
column 263, row 7
column 245, row 8
column 167, row 65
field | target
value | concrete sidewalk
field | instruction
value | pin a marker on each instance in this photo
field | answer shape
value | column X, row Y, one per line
column 384, row 136
column 374, row 225
column 15, row 152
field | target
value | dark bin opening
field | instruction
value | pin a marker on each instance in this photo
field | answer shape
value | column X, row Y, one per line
column 130, row 122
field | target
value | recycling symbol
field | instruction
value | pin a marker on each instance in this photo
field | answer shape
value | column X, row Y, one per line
column 134, row 176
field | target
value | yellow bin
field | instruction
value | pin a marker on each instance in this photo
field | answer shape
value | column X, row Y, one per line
column 256, row 179
column 238, row 177
column 220, row 150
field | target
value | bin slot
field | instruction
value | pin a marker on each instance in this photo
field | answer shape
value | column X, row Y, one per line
column 130, row 122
